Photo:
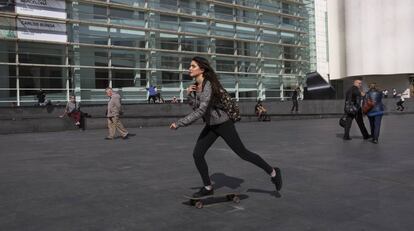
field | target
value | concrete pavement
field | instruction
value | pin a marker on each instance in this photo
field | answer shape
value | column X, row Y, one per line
column 76, row 180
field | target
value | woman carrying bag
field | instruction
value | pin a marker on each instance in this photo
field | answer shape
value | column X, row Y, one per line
column 374, row 96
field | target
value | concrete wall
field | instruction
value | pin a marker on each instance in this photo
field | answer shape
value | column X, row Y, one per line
column 370, row 37
column 322, row 66
column 41, row 119
column 379, row 37
column 336, row 38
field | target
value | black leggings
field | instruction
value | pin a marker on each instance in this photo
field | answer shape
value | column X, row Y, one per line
column 228, row 132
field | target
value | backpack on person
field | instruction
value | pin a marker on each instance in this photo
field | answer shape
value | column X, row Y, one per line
column 229, row 105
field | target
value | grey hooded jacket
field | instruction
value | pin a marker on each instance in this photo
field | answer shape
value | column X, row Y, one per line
column 200, row 104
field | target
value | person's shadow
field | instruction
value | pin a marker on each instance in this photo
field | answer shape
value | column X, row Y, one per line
column 221, row 180
column 271, row 193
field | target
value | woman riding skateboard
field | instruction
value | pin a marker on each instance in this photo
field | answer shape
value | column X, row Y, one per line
column 207, row 90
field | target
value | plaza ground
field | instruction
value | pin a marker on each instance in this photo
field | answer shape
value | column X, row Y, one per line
column 75, row 180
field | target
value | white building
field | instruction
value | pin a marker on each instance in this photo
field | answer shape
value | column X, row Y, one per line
column 372, row 40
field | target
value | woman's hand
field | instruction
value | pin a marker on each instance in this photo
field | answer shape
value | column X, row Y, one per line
column 191, row 88
column 173, row 126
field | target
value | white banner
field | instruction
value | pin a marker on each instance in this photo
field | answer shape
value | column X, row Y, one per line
column 41, row 31
column 45, row 8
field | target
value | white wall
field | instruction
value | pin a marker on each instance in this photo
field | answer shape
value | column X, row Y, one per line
column 379, row 36
column 336, row 37
column 322, row 65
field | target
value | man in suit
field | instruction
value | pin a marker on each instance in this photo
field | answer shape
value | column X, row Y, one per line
column 354, row 95
column 113, row 112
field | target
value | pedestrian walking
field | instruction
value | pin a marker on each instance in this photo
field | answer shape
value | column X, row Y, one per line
column 376, row 112
column 207, row 94
column 400, row 102
column 113, row 112
column 353, row 110
column 295, row 103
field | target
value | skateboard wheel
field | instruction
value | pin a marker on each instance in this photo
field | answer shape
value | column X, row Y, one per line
column 199, row 204
column 236, row 199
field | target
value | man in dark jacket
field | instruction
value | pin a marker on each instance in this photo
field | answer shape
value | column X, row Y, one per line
column 295, row 95
column 354, row 96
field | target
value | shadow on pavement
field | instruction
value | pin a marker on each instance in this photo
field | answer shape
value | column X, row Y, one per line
column 271, row 193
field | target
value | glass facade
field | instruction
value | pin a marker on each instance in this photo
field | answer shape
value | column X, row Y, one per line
column 259, row 48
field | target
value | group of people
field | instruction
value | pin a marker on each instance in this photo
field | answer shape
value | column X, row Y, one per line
column 357, row 103
column 204, row 96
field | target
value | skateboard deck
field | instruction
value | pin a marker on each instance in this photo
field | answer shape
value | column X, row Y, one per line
column 199, row 202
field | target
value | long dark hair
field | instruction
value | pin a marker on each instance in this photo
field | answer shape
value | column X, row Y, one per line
column 209, row 75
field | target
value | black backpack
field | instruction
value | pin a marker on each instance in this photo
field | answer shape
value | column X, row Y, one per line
column 229, row 105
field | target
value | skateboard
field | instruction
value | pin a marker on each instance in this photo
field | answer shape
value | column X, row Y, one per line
column 199, row 202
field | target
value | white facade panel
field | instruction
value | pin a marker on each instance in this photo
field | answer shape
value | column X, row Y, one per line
column 44, row 8
column 41, row 31
column 322, row 65
column 379, row 35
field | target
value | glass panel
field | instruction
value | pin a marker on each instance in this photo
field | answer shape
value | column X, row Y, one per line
column 169, row 5
column 126, row 58
column 7, row 6
column 223, row 12
column 170, row 79
column 195, row 27
column 246, row 16
column 271, row 20
column 194, row 7
column 272, row 66
column 92, row 13
column 246, row 48
column 224, row 29
column 246, row 32
column 7, row 27
column 136, row 3
column 246, row 66
column 272, row 51
column 248, row 87
column 169, row 62
column 270, row 36
column 166, row 22
column 126, row 37
column 248, row 81
column 41, row 53
column 93, row 78
column 271, row 5
column 127, row 17
column 123, row 78
column 168, row 41
column 93, row 56
column 227, row 65
column 93, row 34
column 228, row 81
column 7, row 84
column 224, row 46
column 29, row 97
column 7, row 52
